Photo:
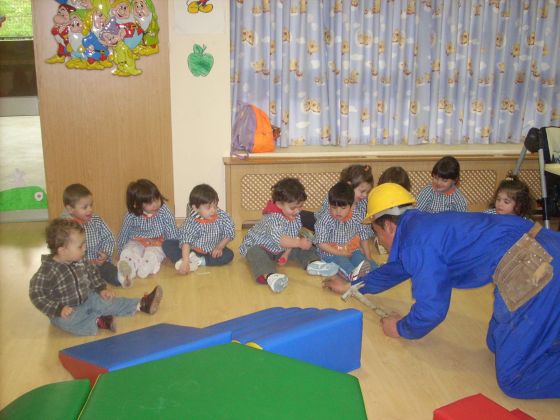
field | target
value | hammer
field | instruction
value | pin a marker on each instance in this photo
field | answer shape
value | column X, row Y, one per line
column 353, row 292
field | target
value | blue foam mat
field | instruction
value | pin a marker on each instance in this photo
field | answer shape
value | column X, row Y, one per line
column 146, row 344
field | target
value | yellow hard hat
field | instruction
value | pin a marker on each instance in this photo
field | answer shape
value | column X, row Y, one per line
column 388, row 198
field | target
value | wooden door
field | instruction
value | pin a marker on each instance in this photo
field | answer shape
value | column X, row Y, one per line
column 100, row 129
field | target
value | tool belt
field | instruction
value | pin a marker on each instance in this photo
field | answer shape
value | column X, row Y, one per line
column 523, row 271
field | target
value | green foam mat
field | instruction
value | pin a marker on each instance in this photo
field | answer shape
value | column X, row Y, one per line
column 58, row 401
column 227, row 381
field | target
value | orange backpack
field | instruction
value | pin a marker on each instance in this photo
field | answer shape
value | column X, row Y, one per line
column 252, row 132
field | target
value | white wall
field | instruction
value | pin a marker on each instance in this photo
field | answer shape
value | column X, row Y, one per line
column 200, row 113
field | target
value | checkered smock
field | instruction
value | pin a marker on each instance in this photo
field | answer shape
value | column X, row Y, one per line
column 99, row 237
column 432, row 201
column 56, row 285
column 268, row 231
column 360, row 209
column 493, row 211
column 161, row 225
column 204, row 235
column 330, row 230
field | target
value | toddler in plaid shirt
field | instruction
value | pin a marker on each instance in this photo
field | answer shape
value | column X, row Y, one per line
column 70, row 291
column 204, row 235
column 146, row 226
column 100, row 244
column 277, row 232
column 443, row 194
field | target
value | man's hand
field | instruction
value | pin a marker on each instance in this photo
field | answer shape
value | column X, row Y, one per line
column 107, row 294
column 66, row 312
column 336, row 284
column 389, row 325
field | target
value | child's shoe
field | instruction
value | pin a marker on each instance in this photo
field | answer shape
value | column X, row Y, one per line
column 361, row 270
column 148, row 265
column 126, row 273
column 106, row 322
column 322, row 268
column 192, row 266
column 277, row 282
column 150, row 302
column 195, row 260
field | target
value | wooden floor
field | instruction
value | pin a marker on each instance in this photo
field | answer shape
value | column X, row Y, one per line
column 400, row 379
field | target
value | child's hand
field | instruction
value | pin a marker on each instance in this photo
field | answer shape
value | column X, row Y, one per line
column 101, row 258
column 217, row 252
column 184, row 268
column 305, row 243
column 66, row 312
column 107, row 294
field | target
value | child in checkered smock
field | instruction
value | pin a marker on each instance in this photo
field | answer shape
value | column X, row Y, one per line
column 512, row 197
column 204, row 235
column 277, row 232
column 443, row 194
column 100, row 244
column 360, row 178
column 339, row 231
column 146, row 226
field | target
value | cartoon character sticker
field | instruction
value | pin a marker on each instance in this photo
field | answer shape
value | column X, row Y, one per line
column 203, row 6
column 99, row 34
column 60, row 33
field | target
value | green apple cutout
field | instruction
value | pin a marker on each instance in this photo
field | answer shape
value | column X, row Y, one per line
column 199, row 62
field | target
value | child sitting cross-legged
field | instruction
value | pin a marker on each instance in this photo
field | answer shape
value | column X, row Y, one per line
column 70, row 291
column 204, row 235
column 277, row 232
column 339, row 231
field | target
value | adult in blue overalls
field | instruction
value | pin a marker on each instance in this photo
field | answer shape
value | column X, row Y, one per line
column 449, row 250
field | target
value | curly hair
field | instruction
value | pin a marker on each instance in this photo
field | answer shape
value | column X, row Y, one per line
column 58, row 232
column 519, row 192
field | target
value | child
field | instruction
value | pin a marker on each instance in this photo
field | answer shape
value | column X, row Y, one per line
column 360, row 178
column 70, row 291
column 512, row 197
column 204, row 235
column 145, row 227
column 339, row 231
column 396, row 175
column 78, row 202
column 277, row 232
column 443, row 194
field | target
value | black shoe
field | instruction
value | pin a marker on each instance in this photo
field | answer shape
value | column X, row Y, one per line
column 106, row 322
column 150, row 302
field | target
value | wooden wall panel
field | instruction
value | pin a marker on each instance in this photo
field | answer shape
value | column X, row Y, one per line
column 103, row 130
